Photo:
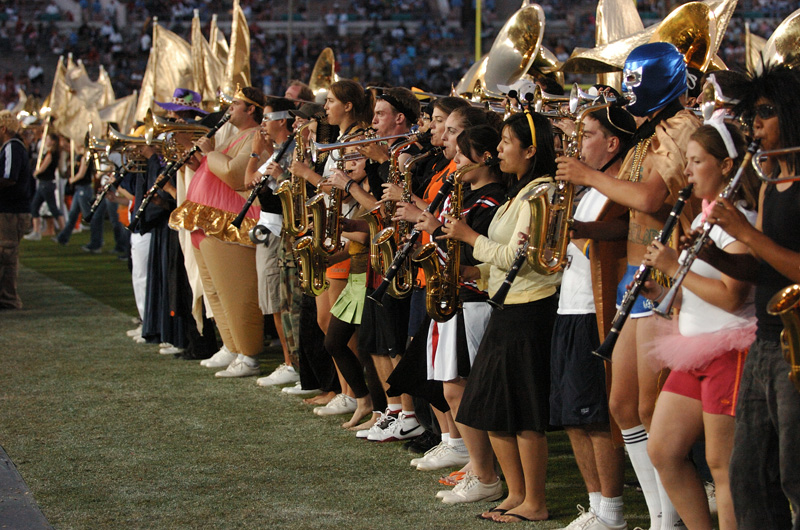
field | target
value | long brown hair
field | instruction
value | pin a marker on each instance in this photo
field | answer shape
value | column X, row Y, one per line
column 348, row 91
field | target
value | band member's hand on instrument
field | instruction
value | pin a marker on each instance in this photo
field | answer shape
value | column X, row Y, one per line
column 469, row 273
column 338, row 179
column 566, row 125
column 661, row 257
column 730, row 219
column 274, row 170
column 458, row 229
column 205, row 145
column 262, row 143
column 570, row 169
column 301, row 169
column 392, row 192
column 652, row 291
column 406, row 212
column 522, row 237
column 427, row 223
column 377, row 151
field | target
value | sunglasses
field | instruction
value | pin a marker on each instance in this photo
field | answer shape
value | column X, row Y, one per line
column 765, row 112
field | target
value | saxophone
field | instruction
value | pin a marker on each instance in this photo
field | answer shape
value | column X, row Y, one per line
column 786, row 304
column 551, row 220
column 325, row 239
column 384, row 242
column 292, row 192
column 441, row 297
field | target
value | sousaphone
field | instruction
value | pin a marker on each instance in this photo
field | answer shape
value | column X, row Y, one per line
column 323, row 75
column 782, row 46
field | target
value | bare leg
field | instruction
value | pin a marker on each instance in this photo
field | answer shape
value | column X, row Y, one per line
column 624, row 397
column 507, row 451
column 481, row 457
column 584, row 457
column 719, row 446
column 610, row 462
column 648, row 377
column 384, row 366
column 677, row 424
column 276, row 317
column 406, row 400
column 533, row 457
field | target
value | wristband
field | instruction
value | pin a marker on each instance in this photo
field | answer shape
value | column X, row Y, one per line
column 347, row 186
column 254, row 155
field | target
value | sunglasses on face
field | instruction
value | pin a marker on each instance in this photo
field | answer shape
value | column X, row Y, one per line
column 764, row 112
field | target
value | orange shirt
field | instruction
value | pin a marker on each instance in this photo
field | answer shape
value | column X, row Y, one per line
column 430, row 193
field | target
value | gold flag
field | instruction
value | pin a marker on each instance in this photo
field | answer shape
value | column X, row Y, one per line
column 216, row 39
column 237, row 70
column 615, row 19
column 108, row 91
column 120, row 112
column 208, row 69
column 168, row 67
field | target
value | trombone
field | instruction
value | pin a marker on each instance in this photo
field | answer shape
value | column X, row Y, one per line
column 760, row 155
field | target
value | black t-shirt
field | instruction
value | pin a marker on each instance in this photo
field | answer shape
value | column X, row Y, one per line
column 17, row 185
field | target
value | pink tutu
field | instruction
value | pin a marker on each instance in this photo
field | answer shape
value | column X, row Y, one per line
column 672, row 350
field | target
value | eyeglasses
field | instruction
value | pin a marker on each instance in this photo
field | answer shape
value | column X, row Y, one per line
column 765, row 112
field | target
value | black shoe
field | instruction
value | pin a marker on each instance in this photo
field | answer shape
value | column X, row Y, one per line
column 90, row 250
column 424, row 442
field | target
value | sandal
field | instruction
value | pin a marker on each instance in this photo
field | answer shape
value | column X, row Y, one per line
column 482, row 516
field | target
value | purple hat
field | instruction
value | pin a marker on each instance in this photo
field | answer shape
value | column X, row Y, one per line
column 184, row 99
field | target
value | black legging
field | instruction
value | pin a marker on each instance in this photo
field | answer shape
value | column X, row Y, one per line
column 354, row 370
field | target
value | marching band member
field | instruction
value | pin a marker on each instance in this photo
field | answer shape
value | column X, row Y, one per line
column 452, row 345
column 507, row 393
column 706, row 356
column 650, row 178
column 211, row 204
column 578, row 398
column 765, row 471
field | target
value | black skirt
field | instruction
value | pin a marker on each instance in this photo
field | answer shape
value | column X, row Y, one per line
column 509, row 387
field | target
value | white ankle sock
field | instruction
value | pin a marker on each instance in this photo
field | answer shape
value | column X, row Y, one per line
column 446, row 437
column 409, row 414
column 636, row 443
column 457, row 444
column 669, row 515
column 610, row 511
column 395, row 408
column 594, row 501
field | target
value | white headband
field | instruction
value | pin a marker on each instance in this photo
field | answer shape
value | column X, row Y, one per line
column 718, row 122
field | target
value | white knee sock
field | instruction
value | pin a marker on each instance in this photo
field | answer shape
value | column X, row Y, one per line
column 636, row 443
column 610, row 512
column 669, row 516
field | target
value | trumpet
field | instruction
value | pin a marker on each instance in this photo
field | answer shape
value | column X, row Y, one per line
column 605, row 350
column 171, row 149
column 786, row 305
column 317, row 147
column 664, row 309
column 128, row 146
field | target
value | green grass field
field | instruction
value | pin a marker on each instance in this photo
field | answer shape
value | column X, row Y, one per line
column 110, row 434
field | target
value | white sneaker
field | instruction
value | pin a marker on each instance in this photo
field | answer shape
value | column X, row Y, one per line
column 283, row 375
column 401, row 428
column 222, row 359
column 239, row 368
column 139, row 340
column 471, row 489
column 170, row 350
column 711, row 493
column 33, row 236
column 447, row 456
column 136, row 332
column 298, row 390
column 588, row 520
column 429, row 453
column 341, row 404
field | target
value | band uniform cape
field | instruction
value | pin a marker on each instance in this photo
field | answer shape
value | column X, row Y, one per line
column 212, row 201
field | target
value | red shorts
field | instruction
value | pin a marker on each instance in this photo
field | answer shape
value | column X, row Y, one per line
column 716, row 386
column 340, row 271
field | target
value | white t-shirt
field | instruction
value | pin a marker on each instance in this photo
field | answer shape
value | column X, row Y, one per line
column 576, row 283
column 698, row 316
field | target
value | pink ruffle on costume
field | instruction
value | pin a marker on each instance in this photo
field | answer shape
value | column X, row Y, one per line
column 672, row 350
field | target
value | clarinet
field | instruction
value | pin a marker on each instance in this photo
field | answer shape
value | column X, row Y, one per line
column 499, row 298
column 401, row 255
column 642, row 275
column 665, row 307
column 237, row 223
column 114, row 183
column 170, row 172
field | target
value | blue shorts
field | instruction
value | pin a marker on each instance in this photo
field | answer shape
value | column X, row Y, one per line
column 643, row 307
